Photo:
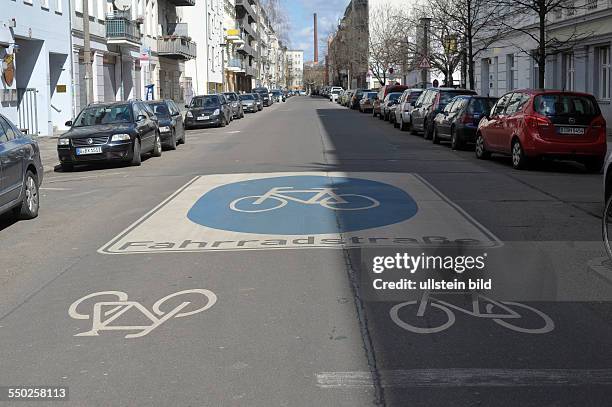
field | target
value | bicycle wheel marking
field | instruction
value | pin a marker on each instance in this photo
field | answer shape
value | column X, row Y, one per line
column 104, row 314
column 225, row 212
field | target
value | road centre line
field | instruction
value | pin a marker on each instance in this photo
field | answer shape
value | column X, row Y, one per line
column 467, row 377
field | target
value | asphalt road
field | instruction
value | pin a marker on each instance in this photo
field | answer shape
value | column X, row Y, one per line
column 289, row 322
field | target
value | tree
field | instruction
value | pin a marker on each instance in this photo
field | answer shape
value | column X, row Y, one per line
column 386, row 48
column 278, row 19
column 476, row 23
column 546, row 43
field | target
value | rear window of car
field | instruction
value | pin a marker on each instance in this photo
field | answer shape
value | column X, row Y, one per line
column 446, row 96
column 565, row 105
column 481, row 105
column 414, row 96
column 370, row 95
column 247, row 97
column 394, row 96
column 160, row 109
column 231, row 96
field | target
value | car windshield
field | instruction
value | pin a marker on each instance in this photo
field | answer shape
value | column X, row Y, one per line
column 481, row 105
column 205, row 101
column 160, row 109
column 247, row 97
column 96, row 115
column 231, row 96
column 565, row 105
column 446, row 96
column 335, row 92
column 394, row 96
column 414, row 96
column 369, row 95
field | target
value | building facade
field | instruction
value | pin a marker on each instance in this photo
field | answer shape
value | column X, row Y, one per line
column 35, row 89
column 206, row 21
column 584, row 64
column 295, row 69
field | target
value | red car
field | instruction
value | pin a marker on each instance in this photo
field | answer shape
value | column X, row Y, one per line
column 529, row 124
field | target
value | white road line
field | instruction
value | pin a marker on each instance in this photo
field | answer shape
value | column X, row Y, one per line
column 54, row 189
column 471, row 377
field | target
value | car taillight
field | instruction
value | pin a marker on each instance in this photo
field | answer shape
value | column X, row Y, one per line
column 599, row 125
column 536, row 122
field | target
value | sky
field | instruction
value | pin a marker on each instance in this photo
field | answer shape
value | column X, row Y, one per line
column 301, row 24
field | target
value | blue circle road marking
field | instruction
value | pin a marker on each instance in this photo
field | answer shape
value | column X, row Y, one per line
column 302, row 205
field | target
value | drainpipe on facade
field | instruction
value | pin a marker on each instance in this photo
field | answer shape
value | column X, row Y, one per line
column 72, row 87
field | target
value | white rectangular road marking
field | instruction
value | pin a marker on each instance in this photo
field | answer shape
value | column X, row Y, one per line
column 167, row 228
column 470, row 377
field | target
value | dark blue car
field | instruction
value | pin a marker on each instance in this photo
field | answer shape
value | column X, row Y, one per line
column 21, row 171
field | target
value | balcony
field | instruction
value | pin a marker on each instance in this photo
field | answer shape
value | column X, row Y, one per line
column 235, row 65
column 234, row 35
column 244, row 8
column 182, row 2
column 247, row 28
column 122, row 31
column 246, row 49
column 176, row 47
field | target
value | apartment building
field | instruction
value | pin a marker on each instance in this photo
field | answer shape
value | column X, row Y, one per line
column 295, row 69
column 35, row 85
column 584, row 64
column 206, row 20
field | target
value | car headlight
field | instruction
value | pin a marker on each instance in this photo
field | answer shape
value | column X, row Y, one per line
column 189, row 114
column 63, row 142
column 164, row 128
column 120, row 137
column 235, row 104
column 216, row 112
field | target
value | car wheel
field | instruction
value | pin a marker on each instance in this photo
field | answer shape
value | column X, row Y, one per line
column 380, row 116
column 67, row 167
column 30, row 203
column 172, row 143
column 395, row 124
column 157, row 147
column 136, row 158
column 593, row 164
column 456, row 142
column 222, row 121
column 242, row 114
column 519, row 160
column 434, row 136
column 184, row 138
column 426, row 131
column 481, row 152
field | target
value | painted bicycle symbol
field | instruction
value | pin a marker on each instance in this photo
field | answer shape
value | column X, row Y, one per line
column 511, row 314
column 104, row 313
column 278, row 197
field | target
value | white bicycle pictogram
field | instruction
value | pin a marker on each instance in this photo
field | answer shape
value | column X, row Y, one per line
column 105, row 312
column 509, row 318
column 326, row 197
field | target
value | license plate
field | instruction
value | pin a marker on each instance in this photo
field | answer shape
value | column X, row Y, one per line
column 571, row 130
column 88, row 150
column 203, row 117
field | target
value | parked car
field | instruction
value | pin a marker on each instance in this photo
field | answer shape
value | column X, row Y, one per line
column 388, row 106
column 404, row 107
column 356, row 97
column 21, row 171
column 278, row 95
column 117, row 131
column 235, row 105
column 208, row 110
column 367, row 102
column 459, row 119
column 266, row 96
column 431, row 102
column 302, row 93
column 258, row 101
column 346, row 97
column 382, row 94
column 249, row 103
column 528, row 124
column 170, row 122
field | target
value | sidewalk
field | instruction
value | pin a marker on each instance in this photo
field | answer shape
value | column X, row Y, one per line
column 48, row 152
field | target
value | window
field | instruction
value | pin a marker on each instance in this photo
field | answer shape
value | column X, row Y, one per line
column 516, row 103
column 604, row 73
column 58, row 6
column 3, row 136
column 44, row 4
column 591, row 4
column 500, row 105
column 511, row 72
column 569, row 70
column 570, row 9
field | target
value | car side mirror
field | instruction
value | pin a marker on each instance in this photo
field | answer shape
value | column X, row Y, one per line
column 141, row 117
column 68, row 123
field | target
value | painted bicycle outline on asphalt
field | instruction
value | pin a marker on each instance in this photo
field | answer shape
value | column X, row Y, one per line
column 321, row 196
column 476, row 312
column 157, row 317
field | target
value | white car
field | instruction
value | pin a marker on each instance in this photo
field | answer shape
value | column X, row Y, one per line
column 404, row 108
